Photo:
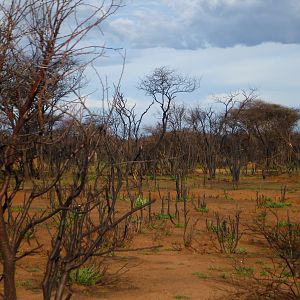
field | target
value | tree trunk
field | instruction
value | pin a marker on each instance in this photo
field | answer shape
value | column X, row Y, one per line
column 9, row 278
column 61, row 287
column 25, row 165
column 211, row 166
column 9, row 264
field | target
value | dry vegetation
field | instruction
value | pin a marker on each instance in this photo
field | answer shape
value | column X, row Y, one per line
column 202, row 205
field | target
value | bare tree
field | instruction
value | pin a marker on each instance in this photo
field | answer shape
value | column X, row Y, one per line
column 39, row 55
column 164, row 85
column 233, row 133
column 207, row 124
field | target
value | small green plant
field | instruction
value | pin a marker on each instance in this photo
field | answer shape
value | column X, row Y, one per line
column 200, row 275
column 267, row 202
column 264, row 273
column 27, row 284
column 240, row 251
column 277, row 204
column 201, row 205
column 178, row 225
column 140, row 201
column 260, row 262
column 166, row 216
column 86, row 276
column 182, row 296
column 284, row 223
column 226, row 231
column 33, row 269
column 243, row 271
column 215, row 268
column 18, row 209
column 227, row 196
column 203, row 209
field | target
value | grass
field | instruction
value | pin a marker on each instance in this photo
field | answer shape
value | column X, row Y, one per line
column 33, row 269
column 240, row 251
column 227, row 196
column 271, row 204
column 17, row 209
column 200, row 275
column 179, row 225
column 243, row 271
column 285, row 223
column 203, row 209
column 268, row 202
column 166, row 216
column 140, row 202
column 182, row 296
column 264, row 273
column 215, row 268
column 85, row 276
column 27, row 284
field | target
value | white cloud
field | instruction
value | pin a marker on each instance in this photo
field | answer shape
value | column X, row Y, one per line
column 273, row 69
column 193, row 24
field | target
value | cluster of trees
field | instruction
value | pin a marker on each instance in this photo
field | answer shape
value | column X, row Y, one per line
column 52, row 147
column 243, row 132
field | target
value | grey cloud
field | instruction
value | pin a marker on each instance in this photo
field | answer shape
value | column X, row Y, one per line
column 193, row 24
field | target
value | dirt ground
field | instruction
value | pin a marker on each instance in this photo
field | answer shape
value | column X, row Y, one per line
column 174, row 271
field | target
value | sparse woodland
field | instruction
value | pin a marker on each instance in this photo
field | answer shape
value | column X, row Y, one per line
column 77, row 185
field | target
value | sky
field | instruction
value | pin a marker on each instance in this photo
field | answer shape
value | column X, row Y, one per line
column 229, row 44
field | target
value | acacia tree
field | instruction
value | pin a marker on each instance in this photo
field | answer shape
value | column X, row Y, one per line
column 178, row 149
column 208, row 126
column 164, row 85
column 39, row 54
column 272, row 127
column 233, row 143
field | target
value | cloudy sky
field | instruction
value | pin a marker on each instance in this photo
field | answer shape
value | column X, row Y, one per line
column 229, row 44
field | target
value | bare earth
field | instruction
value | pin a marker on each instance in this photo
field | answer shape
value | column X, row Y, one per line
column 173, row 271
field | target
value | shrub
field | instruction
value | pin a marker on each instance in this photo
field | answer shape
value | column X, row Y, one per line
column 86, row 276
column 226, row 231
column 166, row 216
column 267, row 202
column 283, row 238
column 140, row 201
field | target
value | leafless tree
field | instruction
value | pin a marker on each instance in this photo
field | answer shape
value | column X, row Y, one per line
column 208, row 126
column 39, row 67
column 164, row 85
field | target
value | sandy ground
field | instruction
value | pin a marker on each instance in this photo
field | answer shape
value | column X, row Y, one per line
column 173, row 271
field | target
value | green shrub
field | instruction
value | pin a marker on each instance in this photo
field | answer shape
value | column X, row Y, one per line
column 244, row 271
column 268, row 202
column 182, row 296
column 226, row 231
column 200, row 275
column 85, row 276
column 203, row 209
column 272, row 204
column 140, row 201
column 166, row 216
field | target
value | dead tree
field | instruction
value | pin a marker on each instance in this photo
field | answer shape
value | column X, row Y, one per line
column 38, row 54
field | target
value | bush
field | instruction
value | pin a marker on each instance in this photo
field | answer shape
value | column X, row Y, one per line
column 86, row 276
column 166, row 216
column 267, row 202
column 140, row 201
column 283, row 238
column 226, row 231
